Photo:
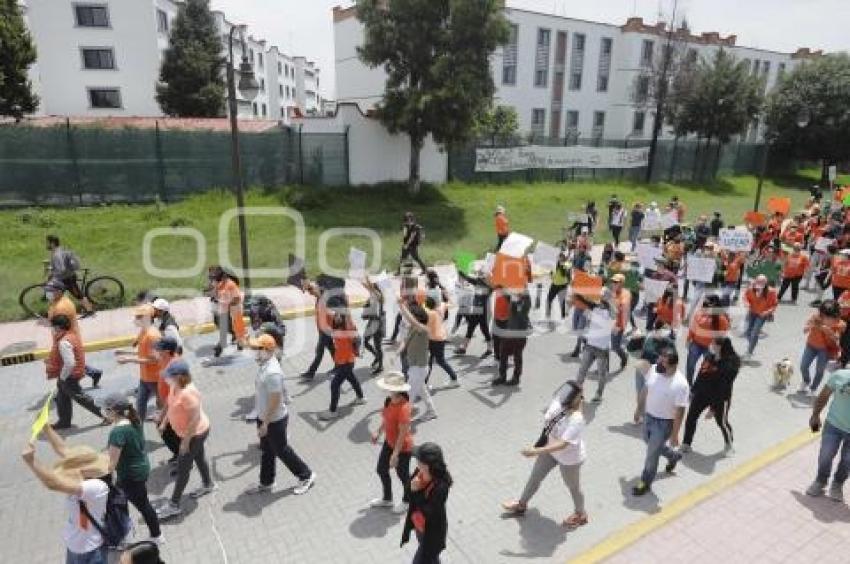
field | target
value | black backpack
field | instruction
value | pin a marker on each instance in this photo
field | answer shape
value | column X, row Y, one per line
column 116, row 521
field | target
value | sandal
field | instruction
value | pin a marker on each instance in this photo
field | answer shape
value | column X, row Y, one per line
column 575, row 521
column 514, row 507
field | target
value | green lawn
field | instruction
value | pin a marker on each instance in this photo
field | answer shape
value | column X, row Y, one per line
column 455, row 216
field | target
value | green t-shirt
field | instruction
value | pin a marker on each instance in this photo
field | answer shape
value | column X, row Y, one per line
column 133, row 464
column 839, row 410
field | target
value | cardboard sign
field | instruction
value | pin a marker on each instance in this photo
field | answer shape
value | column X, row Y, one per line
column 545, row 256
column 736, row 240
column 509, row 272
column 653, row 289
column 822, row 244
column 587, row 285
column 647, row 254
column 516, row 245
column 754, row 218
column 464, row 261
column 701, row 269
column 779, row 205
column 772, row 270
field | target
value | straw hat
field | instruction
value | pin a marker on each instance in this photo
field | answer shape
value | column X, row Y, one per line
column 83, row 460
column 393, row 382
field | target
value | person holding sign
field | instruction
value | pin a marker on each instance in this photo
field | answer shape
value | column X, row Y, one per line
column 597, row 340
column 622, row 299
column 761, row 303
column 503, row 227
column 793, row 268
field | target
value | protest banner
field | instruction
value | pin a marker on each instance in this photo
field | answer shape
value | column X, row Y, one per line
column 464, row 261
column 779, row 205
column 653, row 289
column 516, row 245
column 823, row 244
column 587, row 285
column 545, row 256
column 509, row 272
column 771, row 270
column 647, row 255
column 43, row 417
column 504, row 159
column 736, row 240
column 701, row 269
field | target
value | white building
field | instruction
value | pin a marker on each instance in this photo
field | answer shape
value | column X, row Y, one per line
column 102, row 58
column 566, row 76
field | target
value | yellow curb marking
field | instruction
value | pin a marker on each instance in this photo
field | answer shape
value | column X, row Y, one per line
column 630, row 534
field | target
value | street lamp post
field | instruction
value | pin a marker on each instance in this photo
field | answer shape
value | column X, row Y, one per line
column 803, row 119
column 249, row 88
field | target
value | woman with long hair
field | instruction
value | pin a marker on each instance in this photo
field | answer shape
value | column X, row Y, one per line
column 560, row 444
column 128, row 459
column 713, row 389
column 429, row 490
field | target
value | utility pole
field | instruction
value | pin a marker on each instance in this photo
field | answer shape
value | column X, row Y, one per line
column 661, row 94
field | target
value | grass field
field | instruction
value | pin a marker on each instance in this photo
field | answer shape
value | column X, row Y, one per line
column 109, row 239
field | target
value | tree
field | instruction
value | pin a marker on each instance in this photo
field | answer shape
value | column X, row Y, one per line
column 498, row 124
column 820, row 87
column 190, row 79
column 17, row 53
column 436, row 54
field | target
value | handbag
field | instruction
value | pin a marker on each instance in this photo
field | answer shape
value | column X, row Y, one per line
column 544, row 434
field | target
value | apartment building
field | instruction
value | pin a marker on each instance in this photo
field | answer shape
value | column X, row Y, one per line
column 568, row 77
column 102, row 58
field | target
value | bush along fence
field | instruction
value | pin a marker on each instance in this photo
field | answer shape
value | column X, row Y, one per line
column 86, row 165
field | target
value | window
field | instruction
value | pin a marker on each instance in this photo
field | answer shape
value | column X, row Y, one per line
column 572, row 121
column 104, row 97
column 638, row 123
column 756, row 64
column 262, row 85
column 780, row 71
column 692, row 56
column 279, row 68
column 598, row 125
column 642, row 88
column 287, row 92
column 538, row 122
column 98, row 58
column 265, row 111
column 92, row 15
column 765, row 68
column 282, row 112
column 251, row 54
column 254, row 107
column 646, row 53
column 280, row 89
column 260, row 60
column 541, row 59
column 577, row 61
column 161, row 21
column 604, row 71
column 294, row 95
column 509, row 57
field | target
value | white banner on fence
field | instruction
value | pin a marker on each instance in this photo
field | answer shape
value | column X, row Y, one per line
column 736, row 239
column 701, row 269
column 653, row 289
column 535, row 156
column 647, row 254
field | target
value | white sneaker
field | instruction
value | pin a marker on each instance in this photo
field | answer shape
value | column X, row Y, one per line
column 304, row 485
column 252, row 416
column 453, row 384
column 427, row 416
column 728, row 450
column 400, row 508
column 380, row 502
column 359, row 401
column 168, row 511
column 159, row 541
column 259, row 489
column 803, row 389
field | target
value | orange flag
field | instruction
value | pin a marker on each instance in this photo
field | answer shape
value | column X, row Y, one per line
column 779, row 205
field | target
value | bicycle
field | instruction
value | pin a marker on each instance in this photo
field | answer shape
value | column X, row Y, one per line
column 104, row 292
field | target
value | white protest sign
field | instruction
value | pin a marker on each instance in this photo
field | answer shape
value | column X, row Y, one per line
column 701, row 269
column 515, row 245
column 600, row 327
column 382, row 281
column 653, row 289
column 736, row 240
column 489, row 263
column 647, row 254
column 670, row 219
column 356, row 259
column 651, row 221
column 822, row 244
column 545, row 256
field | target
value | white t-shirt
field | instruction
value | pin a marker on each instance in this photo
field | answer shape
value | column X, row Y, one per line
column 664, row 394
column 78, row 540
column 599, row 330
column 570, row 429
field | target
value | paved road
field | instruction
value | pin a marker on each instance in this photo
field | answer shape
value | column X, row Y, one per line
column 481, row 429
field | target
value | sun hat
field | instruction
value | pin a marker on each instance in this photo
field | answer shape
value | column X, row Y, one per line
column 177, row 368
column 263, row 342
column 161, row 304
column 393, row 382
column 82, row 460
column 169, row 344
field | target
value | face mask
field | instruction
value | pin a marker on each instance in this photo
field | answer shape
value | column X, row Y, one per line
column 50, row 296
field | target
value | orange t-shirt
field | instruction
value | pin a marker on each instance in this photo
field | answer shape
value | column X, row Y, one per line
column 733, row 269
column 844, row 305
column 183, row 405
column 672, row 315
column 395, row 415
column 162, row 389
column 759, row 303
column 323, row 322
column 501, row 307
column 675, row 251
column 795, row 266
column 818, row 338
column 145, row 349
column 841, row 273
column 226, row 292
column 502, row 226
column 64, row 306
column 344, row 349
column 436, row 329
column 702, row 332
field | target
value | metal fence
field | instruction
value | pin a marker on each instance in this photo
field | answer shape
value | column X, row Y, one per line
column 675, row 161
column 84, row 165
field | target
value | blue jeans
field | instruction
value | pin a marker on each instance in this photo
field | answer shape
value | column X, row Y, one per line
column 810, row 355
column 634, row 233
column 695, row 352
column 640, row 381
column 146, row 391
column 754, row 325
column 96, row 556
column 832, row 438
column 656, row 432
column 579, row 319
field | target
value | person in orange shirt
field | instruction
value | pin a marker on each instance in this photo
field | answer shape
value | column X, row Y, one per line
column 60, row 304
column 824, row 330
column 733, row 264
column 345, row 354
column 501, row 313
column 145, row 356
column 844, row 313
column 761, row 303
column 622, row 300
column 324, row 320
column 793, row 268
column 229, row 299
column 841, row 273
column 670, row 310
column 398, row 445
column 437, row 337
column 503, row 228
column 708, row 323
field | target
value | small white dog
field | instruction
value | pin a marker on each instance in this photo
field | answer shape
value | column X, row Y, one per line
column 782, row 372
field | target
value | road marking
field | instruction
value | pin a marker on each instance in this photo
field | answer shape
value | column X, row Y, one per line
column 630, row 534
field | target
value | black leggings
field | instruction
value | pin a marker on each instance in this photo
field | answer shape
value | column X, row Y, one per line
column 171, row 440
column 721, row 415
column 477, row 320
column 795, row 287
column 402, row 470
column 511, row 347
column 137, row 494
column 438, row 354
column 373, row 343
column 559, row 290
column 195, row 456
column 412, row 252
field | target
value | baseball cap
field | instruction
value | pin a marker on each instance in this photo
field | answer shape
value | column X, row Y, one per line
column 177, row 368
column 264, row 342
column 161, row 304
column 500, row 209
column 169, row 344
column 116, row 401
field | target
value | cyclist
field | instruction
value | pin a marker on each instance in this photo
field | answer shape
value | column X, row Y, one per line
column 63, row 266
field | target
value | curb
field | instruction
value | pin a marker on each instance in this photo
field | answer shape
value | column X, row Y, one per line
column 118, row 342
column 625, row 537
